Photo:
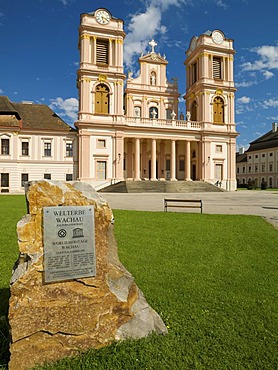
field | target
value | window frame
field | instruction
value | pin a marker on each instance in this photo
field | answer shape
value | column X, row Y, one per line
column 69, row 149
column 5, row 146
column 47, row 149
column 22, row 180
column 25, row 151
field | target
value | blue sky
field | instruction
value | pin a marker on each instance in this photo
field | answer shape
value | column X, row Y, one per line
column 39, row 54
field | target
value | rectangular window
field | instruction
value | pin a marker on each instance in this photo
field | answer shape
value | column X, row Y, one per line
column 69, row 177
column 5, row 180
column 47, row 176
column 249, row 157
column 25, row 148
column 69, row 150
column 256, row 168
column 101, row 143
column 270, row 154
column 270, row 167
column 256, row 156
column 47, row 149
column 263, row 167
column 263, row 155
column 243, row 169
column 249, row 169
column 237, row 170
column 216, row 67
column 24, row 178
column 218, row 148
column 102, row 51
column 5, row 146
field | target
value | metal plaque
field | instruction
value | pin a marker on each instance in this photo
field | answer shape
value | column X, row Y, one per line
column 69, row 243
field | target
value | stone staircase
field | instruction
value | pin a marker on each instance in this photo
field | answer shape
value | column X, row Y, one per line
column 161, row 187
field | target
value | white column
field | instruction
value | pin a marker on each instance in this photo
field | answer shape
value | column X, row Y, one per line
column 129, row 160
column 187, row 160
column 173, row 161
column 94, row 50
column 153, row 161
column 137, row 159
column 85, row 47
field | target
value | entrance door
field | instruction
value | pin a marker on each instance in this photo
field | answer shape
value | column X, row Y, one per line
column 219, row 172
column 194, row 172
column 150, row 169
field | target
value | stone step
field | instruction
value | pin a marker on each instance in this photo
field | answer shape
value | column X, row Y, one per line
column 161, row 187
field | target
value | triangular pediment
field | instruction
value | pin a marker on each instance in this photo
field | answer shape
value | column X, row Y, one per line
column 153, row 58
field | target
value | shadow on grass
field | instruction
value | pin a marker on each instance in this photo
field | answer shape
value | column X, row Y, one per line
column 4, row 328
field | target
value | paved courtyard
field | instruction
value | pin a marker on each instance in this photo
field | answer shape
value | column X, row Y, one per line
column 260, row 203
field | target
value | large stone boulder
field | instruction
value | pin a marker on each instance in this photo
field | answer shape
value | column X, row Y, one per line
column 60, row 319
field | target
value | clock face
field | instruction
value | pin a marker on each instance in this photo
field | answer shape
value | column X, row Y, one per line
column 102, row 16
column 217, row 37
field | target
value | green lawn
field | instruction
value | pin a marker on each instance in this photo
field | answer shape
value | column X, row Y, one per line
column 212, row 278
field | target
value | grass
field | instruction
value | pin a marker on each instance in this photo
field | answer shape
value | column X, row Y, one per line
column 212, row 278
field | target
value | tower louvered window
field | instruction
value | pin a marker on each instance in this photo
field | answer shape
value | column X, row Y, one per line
column 194, row 73
column 102, row 51
column 216, row 64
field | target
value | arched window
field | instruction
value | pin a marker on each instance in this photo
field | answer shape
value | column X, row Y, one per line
column 102, row 99
column 153, row 79
column 194, row 111
column 218, row 110
column 137, row 111
column 168, row 113
column 153, row 112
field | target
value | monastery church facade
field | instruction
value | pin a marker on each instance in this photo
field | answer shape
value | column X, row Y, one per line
column 129, row 128
column 136, row 132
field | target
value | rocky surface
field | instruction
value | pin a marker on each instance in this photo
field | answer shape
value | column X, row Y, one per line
column 52, row 321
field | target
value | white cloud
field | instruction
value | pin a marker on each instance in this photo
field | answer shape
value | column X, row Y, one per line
column 268, row 75
column 65, row 108
column 221, row 4
column 268, row 59
column 271, row 103
column 144, row 26
column 244, row 100
column 1, row 91
column 246, row 83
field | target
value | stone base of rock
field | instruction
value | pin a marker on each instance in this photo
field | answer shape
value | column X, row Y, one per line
column 56, row 320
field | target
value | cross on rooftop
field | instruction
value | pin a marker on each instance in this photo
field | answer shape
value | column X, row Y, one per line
column 153, row 44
